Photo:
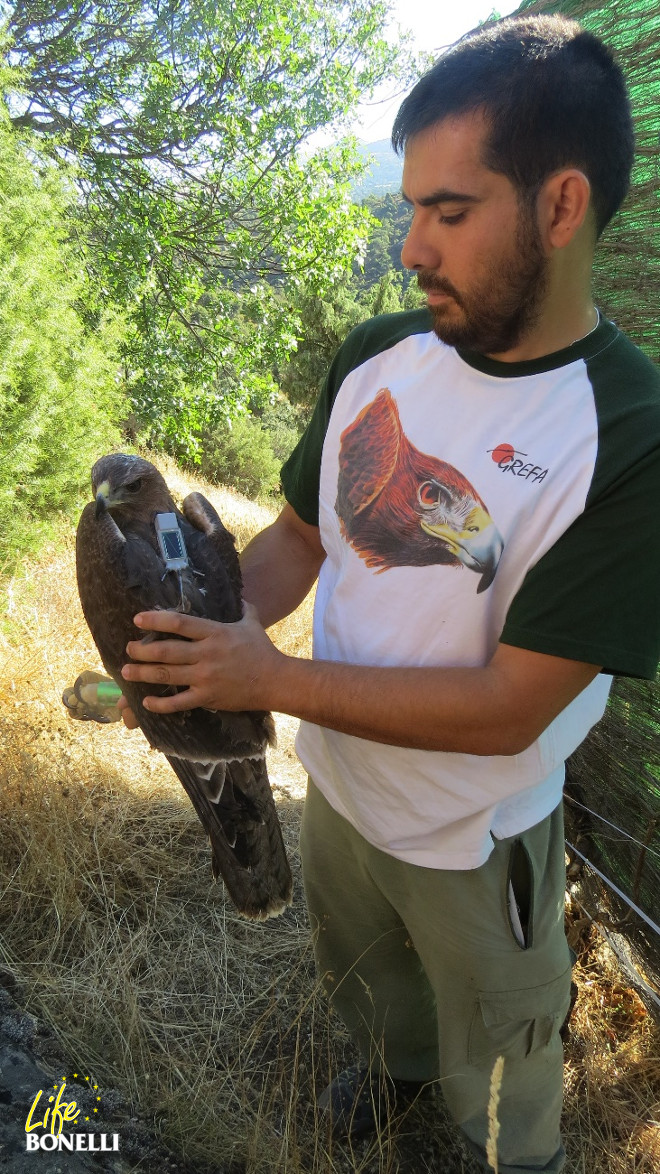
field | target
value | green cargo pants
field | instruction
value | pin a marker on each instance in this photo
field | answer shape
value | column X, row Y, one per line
column 427, row 971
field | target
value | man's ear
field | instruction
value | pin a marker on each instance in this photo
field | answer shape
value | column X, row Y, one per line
column 564, row 205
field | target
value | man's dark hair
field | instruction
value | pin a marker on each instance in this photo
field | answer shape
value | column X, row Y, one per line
column 553, row 95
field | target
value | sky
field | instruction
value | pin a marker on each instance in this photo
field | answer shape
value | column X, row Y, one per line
column 434, row 24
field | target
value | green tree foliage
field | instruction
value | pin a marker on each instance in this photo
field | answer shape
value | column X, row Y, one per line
column 249, row 451
column 386, row 239
column 377, row 285
column 187, row 119
column 58, row 388
column 380, row 285
column 327, row 321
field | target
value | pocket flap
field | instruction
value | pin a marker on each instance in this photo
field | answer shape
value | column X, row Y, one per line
column 550, row 999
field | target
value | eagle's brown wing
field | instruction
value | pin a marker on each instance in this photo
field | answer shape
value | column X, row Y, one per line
column 201, row 514
column 367, row 457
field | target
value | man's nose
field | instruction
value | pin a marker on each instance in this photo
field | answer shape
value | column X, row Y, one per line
column 419, row 251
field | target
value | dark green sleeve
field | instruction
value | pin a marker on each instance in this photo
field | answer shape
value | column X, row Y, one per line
column 301, row 472
column 595, row 595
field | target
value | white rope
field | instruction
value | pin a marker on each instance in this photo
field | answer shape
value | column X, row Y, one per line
column 621, row 832
column 635, row 908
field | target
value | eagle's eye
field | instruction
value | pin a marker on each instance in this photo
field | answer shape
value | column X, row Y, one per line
column 431, row 494
column 134, row 486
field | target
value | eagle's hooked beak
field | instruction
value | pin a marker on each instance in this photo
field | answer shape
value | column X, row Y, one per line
column 102, row 495
column 478, row 545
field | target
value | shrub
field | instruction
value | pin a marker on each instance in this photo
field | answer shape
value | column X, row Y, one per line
column 59, row 395
column 284, row 422
column 240, row 453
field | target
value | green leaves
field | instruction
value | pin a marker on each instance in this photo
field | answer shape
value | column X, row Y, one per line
column 59, row 395
column 186, row 121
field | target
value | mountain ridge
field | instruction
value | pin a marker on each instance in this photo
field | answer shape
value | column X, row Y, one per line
column 383, row 173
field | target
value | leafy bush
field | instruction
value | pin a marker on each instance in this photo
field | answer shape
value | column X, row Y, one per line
column 249, row 451
column 325, row 322
column 284, row 423
column 239, row 453
column 59, row 396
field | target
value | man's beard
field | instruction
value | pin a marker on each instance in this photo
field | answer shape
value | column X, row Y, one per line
column 499, row 313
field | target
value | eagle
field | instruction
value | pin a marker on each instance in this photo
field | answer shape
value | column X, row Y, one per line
column 399, row 507
column 136, row 551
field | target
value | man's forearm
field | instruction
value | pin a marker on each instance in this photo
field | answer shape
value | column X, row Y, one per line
column 426, row 709
column 498, row 709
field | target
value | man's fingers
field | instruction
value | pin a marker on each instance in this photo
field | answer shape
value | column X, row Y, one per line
column 158, row 674
column 162, row 652
column 192, row 627
column 173, row 704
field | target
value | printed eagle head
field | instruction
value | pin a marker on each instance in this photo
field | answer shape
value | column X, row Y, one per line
column 130, row 487
column 398, row 506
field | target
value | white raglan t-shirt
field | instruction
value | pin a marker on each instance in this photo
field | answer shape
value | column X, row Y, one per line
column 461, row 502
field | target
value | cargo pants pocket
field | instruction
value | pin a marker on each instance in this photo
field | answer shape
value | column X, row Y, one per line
column 516, row 1023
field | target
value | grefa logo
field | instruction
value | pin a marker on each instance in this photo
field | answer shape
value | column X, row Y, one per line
column 510, row 460
column 48, row 1117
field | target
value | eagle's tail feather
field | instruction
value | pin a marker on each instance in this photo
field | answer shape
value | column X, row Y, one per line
column 246, row 841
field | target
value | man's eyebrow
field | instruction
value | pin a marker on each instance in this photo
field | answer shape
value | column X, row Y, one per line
column 442, row 196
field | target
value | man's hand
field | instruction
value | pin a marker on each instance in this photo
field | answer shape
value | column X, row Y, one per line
column 223, row 666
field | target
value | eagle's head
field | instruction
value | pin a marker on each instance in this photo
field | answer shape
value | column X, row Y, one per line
column 398, row 506
column 130, row 485
column 451, row 512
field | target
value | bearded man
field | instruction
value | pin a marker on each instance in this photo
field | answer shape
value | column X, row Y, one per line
column 477, row 493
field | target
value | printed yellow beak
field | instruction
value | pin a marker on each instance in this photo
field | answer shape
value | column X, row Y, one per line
column 478, row 545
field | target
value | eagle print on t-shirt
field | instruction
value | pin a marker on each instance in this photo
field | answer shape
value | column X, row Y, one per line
column 399, row 507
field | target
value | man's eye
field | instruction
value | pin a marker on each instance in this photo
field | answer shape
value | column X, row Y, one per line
column 455, row 219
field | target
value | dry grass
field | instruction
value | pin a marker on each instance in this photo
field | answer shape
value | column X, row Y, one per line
column 612, row 1074
column 211, row 1026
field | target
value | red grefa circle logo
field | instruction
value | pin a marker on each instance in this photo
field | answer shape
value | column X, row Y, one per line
column 503, row 452
column 510, row 460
